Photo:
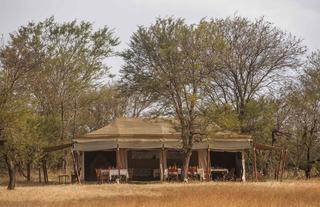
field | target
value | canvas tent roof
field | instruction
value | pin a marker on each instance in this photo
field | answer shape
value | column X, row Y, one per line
column 137, row 133
column 135, row 127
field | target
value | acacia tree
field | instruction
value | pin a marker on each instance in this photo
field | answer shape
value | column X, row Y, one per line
column 74, row 62
column 303, row 121
column 172, row 61
column 136, row 102
column 256, row 58
column 43, row 68
column 16, row 65
column 98, row 107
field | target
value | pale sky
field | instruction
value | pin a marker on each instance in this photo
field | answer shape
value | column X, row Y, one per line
column 300, row 17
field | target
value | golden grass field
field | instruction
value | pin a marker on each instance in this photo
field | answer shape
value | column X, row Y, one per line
column 289, row 193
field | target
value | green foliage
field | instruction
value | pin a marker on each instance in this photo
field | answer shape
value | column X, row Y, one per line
column 259, row 119
column 222, row 115
column 23, row 143
column 98, row 107
column 44, row 67
column 303, row 121
column 172, row 61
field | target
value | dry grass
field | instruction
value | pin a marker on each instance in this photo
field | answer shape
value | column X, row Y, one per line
column 271, row 194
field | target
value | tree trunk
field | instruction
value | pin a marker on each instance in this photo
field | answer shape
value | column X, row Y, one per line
column 269, row 162
column 29, row 172
column 186, row 160
column 62, row 121
column 309, row 165
column 241, row 117
column 75, row 166
column 65, row 160
column 45, row 171
column 74, row 119
column 20, row 170
column 64, row 164
column 39, row 175
column 12, row 173
column 254, row 160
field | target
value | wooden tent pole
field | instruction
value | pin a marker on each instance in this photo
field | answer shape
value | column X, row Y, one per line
column 78, row 166
column 208, row 164
column 162, row 164
column 255, row 173
column 118, row 160
column 83, row 169
column 243, row 167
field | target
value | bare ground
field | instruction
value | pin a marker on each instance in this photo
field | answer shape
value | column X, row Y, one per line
column 293, row 193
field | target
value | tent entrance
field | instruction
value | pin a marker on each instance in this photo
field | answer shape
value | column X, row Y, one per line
column 175, row 158
column 144, row 164
column 97, row 159
column 226, row 160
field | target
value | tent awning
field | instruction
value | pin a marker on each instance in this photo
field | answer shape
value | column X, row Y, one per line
column 214, row 144
column 266, row 147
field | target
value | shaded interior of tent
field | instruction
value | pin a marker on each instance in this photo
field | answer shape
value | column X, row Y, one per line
column 143, row 163
column 145, row 146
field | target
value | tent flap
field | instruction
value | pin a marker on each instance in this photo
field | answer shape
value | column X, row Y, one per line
column 202, row 157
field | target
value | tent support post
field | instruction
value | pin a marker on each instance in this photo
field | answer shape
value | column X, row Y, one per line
column 243, row 167
column 208, row 165
column 162, row 164
column 255, row 173
column 118, row 160
column 82, row 170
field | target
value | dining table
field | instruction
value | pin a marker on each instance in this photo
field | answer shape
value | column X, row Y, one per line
column 222, row 171
column 118, row 172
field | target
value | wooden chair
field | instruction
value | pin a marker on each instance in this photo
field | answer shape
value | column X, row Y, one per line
column 98, row 175
column 193, row 174
column 231, row 175
column 102, row 175
column 173, row 174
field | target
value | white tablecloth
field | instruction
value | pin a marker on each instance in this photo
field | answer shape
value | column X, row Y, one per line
column 115, row 172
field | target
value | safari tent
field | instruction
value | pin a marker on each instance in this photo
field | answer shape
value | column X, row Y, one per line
column 148, row 147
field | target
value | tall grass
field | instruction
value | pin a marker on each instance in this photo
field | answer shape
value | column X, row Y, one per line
column 164, row 195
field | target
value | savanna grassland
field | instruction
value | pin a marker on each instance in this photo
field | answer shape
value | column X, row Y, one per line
column 289, row 193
